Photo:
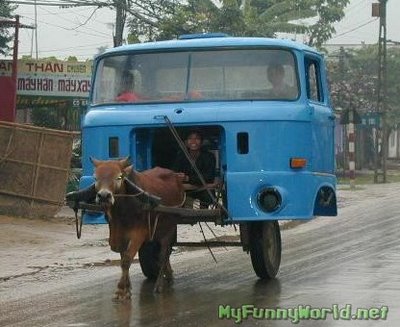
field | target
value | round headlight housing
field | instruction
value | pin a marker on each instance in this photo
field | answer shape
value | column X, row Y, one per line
column 269, row 199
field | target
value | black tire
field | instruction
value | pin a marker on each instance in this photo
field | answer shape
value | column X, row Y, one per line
column 149, row 254
column 265, row 248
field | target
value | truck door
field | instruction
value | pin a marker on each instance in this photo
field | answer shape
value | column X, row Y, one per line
column 323, row 118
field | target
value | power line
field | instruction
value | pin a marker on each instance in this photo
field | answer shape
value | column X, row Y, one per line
column 88, row 3
column 41, row 3
column 355, row 28
column 66, row 29
column 79, row 25
column 66, row 11
column 87, row 20
column 75, row 48
column 63, row 3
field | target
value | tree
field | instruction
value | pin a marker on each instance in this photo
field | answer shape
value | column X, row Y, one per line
column 101, row 49
column 354, row 85
column 152, row 19
column 267, row 18
column 72, row 59
column 355, row 82
column 46, row 117
column 314, row 18
column 354, row 79
column 328, row 12
column 238, row 18
column 6, row 11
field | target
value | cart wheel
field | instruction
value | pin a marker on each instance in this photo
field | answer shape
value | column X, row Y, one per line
column 149, row 259
column 265, row 248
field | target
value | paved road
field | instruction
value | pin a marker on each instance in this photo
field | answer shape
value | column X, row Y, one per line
column 351, row 259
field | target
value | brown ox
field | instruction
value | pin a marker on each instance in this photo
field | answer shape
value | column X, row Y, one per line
column 131, row 225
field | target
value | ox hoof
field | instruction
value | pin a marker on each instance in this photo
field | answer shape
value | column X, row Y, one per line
column 169, row 279
column 159, row 286
column 158, row 289
column 122, row 295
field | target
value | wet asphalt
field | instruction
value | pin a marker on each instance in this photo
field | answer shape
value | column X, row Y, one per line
column 352, row 259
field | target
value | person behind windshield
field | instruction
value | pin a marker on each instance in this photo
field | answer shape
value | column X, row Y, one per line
column 280, row 89
column 127, row 93
column 205, row 162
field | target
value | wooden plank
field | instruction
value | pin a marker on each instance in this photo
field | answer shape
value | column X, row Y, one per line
column 29, row 197
column 162, row 209
column 37, row 129
column 186, row 212
column 185, row 215
column 8, row 152
column 30, row 163
column 35, row 162
column 208, row 244
column 36, row 172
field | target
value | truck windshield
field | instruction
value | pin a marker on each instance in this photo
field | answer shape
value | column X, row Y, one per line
column 250, row 74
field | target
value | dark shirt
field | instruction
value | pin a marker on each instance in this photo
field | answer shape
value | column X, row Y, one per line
column 205, row 162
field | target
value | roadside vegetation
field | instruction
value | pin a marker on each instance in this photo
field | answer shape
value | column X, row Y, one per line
column 367, row 177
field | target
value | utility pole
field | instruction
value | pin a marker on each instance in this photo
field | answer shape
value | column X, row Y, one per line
column 379, row 10
column 342, row 104
column 15, row 57
column 8, row 85
column 120, row 18
column 34, row 34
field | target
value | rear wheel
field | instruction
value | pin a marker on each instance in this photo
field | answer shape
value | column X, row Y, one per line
column 265, row 248
column 149, row 254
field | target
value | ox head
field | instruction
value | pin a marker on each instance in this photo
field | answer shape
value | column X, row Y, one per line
column 109, row 176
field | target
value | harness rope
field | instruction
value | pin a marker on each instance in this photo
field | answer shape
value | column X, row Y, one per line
column 180, row 204
column 128, row 195
column 152, row 231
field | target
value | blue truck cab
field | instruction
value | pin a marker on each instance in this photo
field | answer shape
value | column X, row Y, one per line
column 263, row 106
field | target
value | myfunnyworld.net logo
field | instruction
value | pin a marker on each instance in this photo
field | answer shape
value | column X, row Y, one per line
column 301, row 312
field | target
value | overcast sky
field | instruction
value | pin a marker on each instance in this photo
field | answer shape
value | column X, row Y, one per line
column 80, row 31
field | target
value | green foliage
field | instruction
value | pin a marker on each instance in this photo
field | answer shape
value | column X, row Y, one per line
column 151, row 19
column 72, row 59
column 101, row 49
column 61, row 116
column 46, row 117
column 230, row 19
column 354, row 81
column 328, row 13
column 51, row 58
column 6, row 11
column 26, row 57
column 236, row 17
column 277, row 16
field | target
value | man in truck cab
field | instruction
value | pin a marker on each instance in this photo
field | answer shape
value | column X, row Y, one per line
column 205, row 162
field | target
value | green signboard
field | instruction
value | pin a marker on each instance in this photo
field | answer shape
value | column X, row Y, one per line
column 372, row 119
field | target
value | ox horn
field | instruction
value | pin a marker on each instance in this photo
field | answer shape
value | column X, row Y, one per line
column 94, row 161
column 125, row 162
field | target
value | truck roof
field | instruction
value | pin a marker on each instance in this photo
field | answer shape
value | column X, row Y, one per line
column 212, row 42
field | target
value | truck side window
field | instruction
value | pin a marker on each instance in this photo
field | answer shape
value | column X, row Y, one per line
column 314, row 91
